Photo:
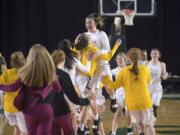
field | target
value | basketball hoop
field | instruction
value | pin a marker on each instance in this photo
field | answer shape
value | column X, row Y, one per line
column 128, row 16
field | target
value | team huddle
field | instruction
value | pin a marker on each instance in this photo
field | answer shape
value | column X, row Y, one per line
column 62, row 93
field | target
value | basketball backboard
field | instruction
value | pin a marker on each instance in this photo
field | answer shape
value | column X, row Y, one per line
column 113, row 7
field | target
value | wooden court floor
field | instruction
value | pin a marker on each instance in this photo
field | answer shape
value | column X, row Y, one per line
column 168, row 122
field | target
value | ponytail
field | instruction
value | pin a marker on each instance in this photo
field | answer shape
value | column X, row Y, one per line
column 65, row 45
column 135, row 68
column 99, row 20
column 135, row 55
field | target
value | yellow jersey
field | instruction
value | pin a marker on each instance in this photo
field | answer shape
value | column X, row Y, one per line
column 137, row 96
column 103, row 56
column 8, row 77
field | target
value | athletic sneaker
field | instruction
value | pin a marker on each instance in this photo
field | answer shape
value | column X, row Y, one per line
column 129, row 131
column 113, row 106
column 95, row 126
column 113, row 133
column 79, row 132
column 87, row 131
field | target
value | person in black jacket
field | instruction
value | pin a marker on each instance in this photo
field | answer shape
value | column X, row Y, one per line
column 62, row 113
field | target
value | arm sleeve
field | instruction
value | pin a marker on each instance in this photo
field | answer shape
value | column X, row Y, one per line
column 56, row 86
column 119, row 82
column 70, row 91
column 80, row 67
column 109, row 55
column 92, row 69
column 107, row 81
column 12, row 87
column 105, row 42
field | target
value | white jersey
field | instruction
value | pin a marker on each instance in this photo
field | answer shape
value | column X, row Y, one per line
column 77, row 66
column 155, row 86
column 156, row 71
column 101, row 41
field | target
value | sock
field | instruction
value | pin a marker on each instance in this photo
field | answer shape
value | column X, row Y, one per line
column 155, row 110
column 113, row 97
column 82, row 127
column 128, row 126
column 96, row 117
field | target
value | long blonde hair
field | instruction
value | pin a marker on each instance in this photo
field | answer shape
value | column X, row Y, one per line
column 39, row 69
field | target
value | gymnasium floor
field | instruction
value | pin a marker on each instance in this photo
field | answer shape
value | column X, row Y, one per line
column 168, row 122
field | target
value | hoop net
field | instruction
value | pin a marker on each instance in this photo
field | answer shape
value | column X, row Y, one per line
column 128, row 16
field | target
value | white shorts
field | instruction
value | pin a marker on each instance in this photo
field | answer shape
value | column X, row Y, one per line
column 100, row 98
column 156, row 92
column 154, row 88
column 120, row 96
column 156, row 97
column 81, row 82
column 16, row 119
column 96, row 79
column 144, row 117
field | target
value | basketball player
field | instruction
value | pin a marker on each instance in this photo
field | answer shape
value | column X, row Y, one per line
column 158, row 71
column 135, row 79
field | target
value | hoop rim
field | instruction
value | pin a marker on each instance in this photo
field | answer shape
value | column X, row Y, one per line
column 126, row 12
